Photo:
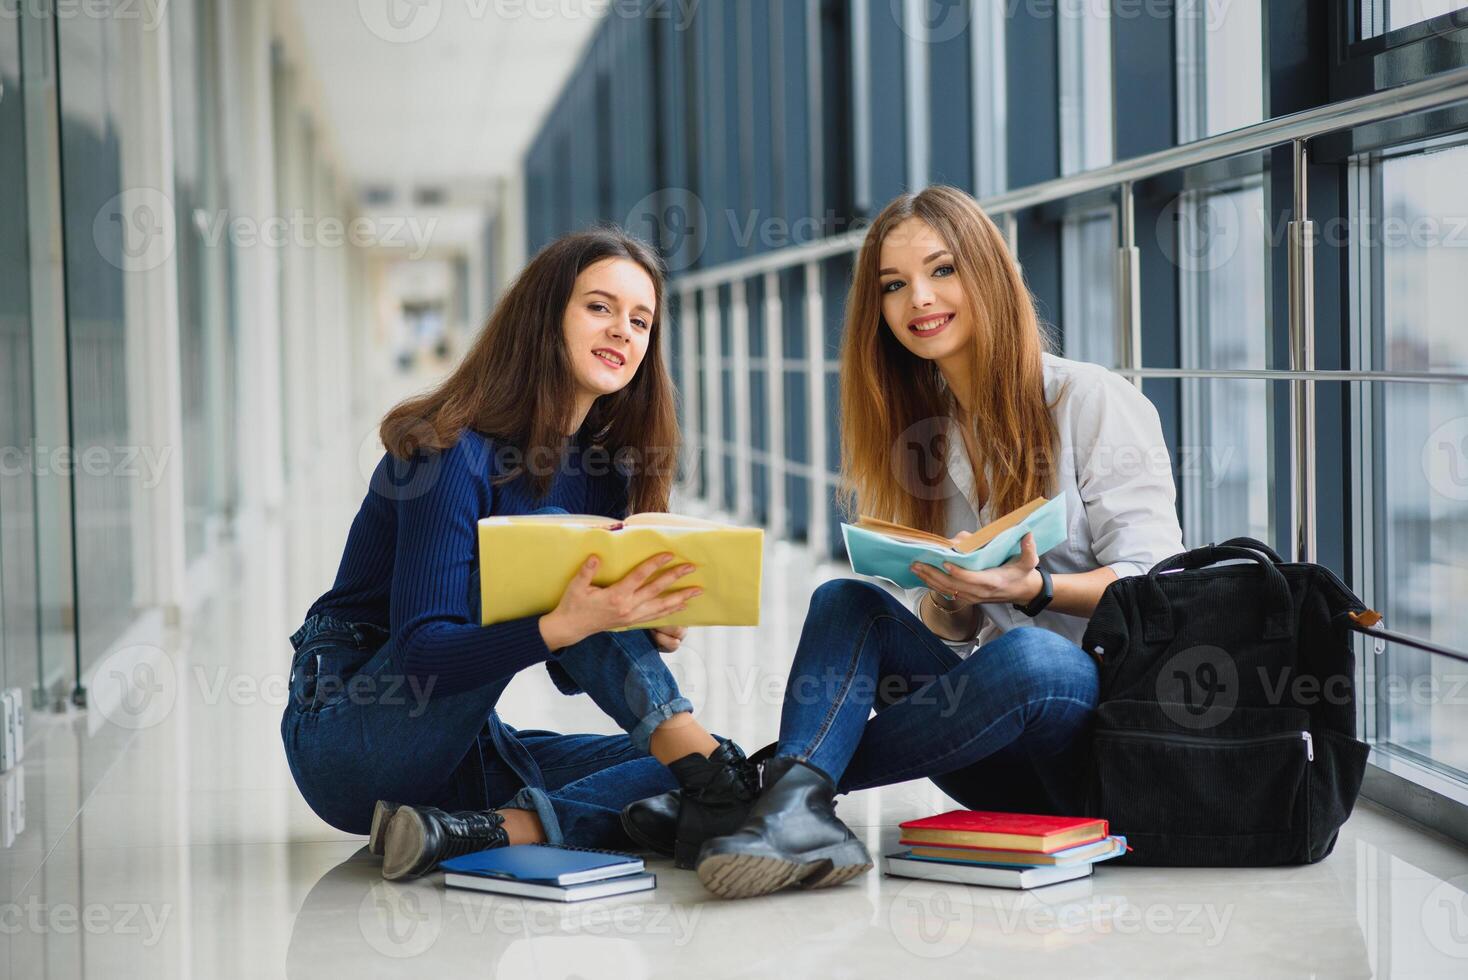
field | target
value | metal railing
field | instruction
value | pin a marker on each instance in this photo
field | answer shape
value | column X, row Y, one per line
column 1296, row 131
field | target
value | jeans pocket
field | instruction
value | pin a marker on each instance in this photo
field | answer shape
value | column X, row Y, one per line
column 321, row 672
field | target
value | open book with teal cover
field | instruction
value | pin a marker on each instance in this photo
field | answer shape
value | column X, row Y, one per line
column 885, row 550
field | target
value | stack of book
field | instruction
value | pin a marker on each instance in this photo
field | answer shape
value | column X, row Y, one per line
column 1002, row 850
column 554, row 872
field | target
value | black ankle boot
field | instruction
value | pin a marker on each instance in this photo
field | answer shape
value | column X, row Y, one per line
column 714, row 797
column 792, row 835
column 418, row 837
column 653, row 823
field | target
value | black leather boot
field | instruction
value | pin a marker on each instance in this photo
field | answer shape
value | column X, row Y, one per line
column 714, row 797
column 792, row 835
column 653, row 823
column 418, row 837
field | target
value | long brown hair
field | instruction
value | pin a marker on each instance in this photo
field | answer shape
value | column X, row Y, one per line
column 894, row 402
column 515, row 383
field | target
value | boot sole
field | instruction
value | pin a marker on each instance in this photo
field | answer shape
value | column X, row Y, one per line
column 403, row 844
column 736, row 875
column 381, row 814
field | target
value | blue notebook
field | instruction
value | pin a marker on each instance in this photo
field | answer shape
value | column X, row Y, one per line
column 545, row 864
column 887, row 556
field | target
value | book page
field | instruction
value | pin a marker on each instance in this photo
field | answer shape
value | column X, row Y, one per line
column 565, row 520
column 991, row 530
column 661, row 519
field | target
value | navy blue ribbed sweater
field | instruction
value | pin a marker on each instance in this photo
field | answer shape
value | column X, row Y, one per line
column 411, row 560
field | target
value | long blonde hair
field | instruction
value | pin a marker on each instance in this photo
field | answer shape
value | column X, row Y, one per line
column 893, row 402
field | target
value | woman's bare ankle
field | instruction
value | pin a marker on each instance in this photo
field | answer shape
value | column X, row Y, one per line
column 522, row 826
column 678, row 737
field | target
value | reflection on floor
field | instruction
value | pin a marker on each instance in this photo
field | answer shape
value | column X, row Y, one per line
column 171, row 842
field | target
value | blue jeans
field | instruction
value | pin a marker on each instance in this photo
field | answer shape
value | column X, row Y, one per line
column 1000, row 730
column 357, row 730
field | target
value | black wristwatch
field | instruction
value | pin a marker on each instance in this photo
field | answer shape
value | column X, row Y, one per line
column 1038, row 603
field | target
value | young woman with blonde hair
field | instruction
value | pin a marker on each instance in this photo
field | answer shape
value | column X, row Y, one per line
column 954, row 412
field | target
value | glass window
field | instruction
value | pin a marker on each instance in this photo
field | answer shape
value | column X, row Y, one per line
column 1417, row 466
column 19, row 589
column 1220, row 67
column 113, row 227
column 1088, row 288
column 1085, row 87
column 1224, row 462
column 1401, row 13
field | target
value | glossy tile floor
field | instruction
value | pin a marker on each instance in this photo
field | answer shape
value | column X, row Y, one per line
column 163, row 837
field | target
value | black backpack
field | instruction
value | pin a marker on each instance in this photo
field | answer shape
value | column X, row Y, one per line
column 1225, row 733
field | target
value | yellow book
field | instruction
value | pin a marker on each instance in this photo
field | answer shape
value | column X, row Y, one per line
column 526, row 562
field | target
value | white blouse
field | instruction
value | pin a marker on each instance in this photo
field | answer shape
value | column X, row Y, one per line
column 1117, row 479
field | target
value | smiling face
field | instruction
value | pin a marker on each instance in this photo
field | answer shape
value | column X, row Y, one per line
column 923, row 302
column 607, row 325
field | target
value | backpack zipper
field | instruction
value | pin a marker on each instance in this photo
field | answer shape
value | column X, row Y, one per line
column 1196, row 739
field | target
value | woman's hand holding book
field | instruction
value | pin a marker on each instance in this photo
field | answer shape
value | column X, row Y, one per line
column 1014, row 581
column 640, row 596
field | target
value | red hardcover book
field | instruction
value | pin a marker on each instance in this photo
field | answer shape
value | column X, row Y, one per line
column 1003, row 831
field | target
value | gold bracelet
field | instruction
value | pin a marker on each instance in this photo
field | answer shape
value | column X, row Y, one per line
column 946, row 616
column 933, row 598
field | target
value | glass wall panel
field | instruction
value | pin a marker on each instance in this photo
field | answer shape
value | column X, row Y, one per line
column 1085, row 87
column 206, row 350
column 1088, row 288
column 1419, row 462
column 19, row 589
column 108, row 234
column 1401, row 13
column 1220, row 67
column 1224, row 461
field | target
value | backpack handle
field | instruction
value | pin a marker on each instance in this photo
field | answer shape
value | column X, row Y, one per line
column 1253, row 544
column 1278, row 620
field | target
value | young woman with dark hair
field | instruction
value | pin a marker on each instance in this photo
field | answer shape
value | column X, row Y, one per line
column 564, row 403
column 942, row 339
